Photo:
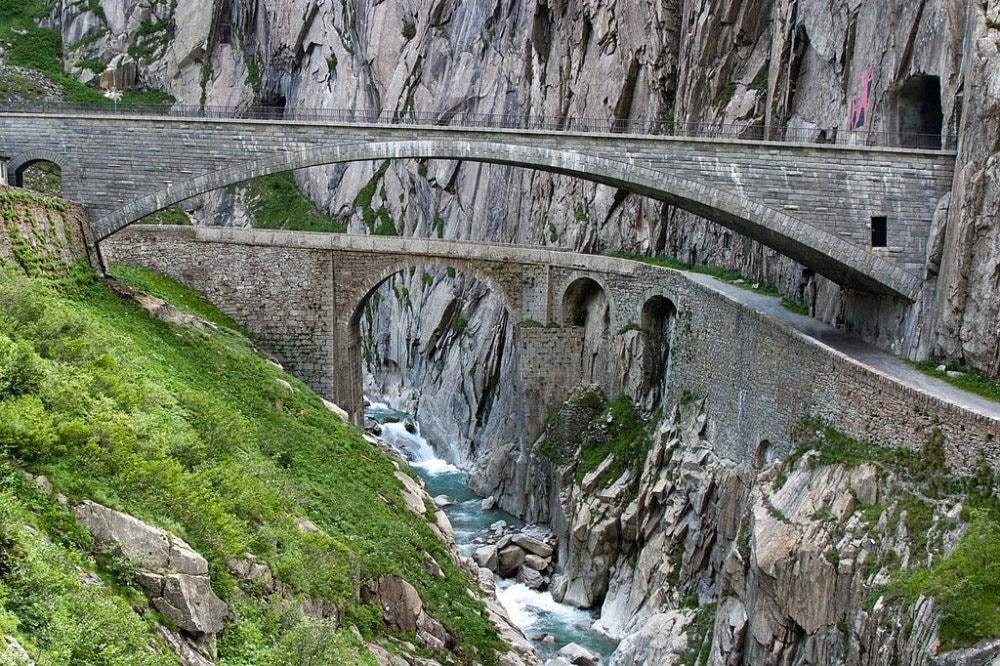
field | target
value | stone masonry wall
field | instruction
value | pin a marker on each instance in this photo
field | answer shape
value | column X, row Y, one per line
column 550, row 369
column 760, row 378
column 833, row 189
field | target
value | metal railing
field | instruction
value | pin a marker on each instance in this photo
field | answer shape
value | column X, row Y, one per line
column 468, row 120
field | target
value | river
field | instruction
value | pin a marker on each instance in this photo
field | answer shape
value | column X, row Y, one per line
column 535, row 613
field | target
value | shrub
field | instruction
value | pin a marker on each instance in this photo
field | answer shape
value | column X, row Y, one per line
column 20, row 370
column 25, row 428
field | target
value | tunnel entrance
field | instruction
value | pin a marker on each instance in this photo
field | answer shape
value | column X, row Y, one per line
column 919, row 115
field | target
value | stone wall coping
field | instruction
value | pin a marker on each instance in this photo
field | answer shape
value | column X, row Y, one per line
column 914, row 392
column 948, row 155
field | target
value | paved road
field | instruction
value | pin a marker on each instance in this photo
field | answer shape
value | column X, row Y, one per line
column 853, row 347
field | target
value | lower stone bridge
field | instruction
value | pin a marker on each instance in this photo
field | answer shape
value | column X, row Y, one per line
column 302, row 296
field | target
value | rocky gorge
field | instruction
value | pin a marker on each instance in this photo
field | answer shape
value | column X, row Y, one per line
column 787, row 557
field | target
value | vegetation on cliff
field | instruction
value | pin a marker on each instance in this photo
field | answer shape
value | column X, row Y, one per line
column 41, row 49
column 963, row 578
column 188, row 429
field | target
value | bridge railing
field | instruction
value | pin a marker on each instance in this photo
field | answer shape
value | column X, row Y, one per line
column 632, row 126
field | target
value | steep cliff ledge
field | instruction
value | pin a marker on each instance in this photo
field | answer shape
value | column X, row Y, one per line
column 814, row 558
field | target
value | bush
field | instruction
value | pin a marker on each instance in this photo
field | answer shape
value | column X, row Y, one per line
column 25, row 428
column 966, row 585
column 20, row 370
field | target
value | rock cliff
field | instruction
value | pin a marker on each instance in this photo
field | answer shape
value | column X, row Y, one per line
column 813, row 67
column 806, row 560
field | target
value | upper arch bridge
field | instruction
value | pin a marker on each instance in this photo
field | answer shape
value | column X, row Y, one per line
column 814, row 203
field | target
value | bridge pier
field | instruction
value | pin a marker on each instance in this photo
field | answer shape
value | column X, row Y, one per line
column 346, row 371
column 550, row 369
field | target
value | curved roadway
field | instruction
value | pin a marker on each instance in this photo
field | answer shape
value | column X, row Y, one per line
column 853, row 347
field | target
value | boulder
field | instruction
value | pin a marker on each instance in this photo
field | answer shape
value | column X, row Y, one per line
column 558, row 586
column 578, row 655
column 662, row 641
column 250, row 568
column 401, row 605
column 413, row 494
column 146, row 546
column 486, row 557
column 488, row 504
column 305, row 525
column 187, row 601
column 530, row 577
column 535, row 562
column 508, row 561
column 532, row 545
column 339, row 411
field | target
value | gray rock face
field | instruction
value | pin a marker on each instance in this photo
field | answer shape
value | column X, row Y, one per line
column 188, row 602
column 662, row 641
column 147, row 546
column 402, row 610
column 173, row 576
column 400, row 603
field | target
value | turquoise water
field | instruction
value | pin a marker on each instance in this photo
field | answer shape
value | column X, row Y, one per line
column 535, row 613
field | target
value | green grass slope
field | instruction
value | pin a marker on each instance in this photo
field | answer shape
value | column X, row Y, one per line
column 188, row 429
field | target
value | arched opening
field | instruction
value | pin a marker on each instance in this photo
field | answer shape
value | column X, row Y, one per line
column 419, row 331
column 764, row 455
column 585, row 305
column 919, row 115
column 658, row 316
column 40, row 176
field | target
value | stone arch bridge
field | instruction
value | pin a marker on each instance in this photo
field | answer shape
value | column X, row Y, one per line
column 302, row 296
column 814, row 203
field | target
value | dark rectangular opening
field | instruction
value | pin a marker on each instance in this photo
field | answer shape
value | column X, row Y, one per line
column 879, row 232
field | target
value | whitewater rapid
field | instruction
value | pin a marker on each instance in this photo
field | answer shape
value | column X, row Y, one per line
column 534, row 613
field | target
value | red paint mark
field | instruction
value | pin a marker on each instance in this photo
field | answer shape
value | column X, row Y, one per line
column 860, row 100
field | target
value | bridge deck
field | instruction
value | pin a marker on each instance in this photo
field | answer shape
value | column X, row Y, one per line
column 814, row 203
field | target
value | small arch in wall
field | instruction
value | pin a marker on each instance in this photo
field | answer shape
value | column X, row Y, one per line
column 585, row 304
column 450, row 267
column 42, row 176
column 658, row 316
column 41, row 170
column 765, row 454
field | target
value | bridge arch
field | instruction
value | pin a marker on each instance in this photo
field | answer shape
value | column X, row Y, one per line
column 20, row 163
column 354, row 355
column 840, row 260
column 376, row 279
